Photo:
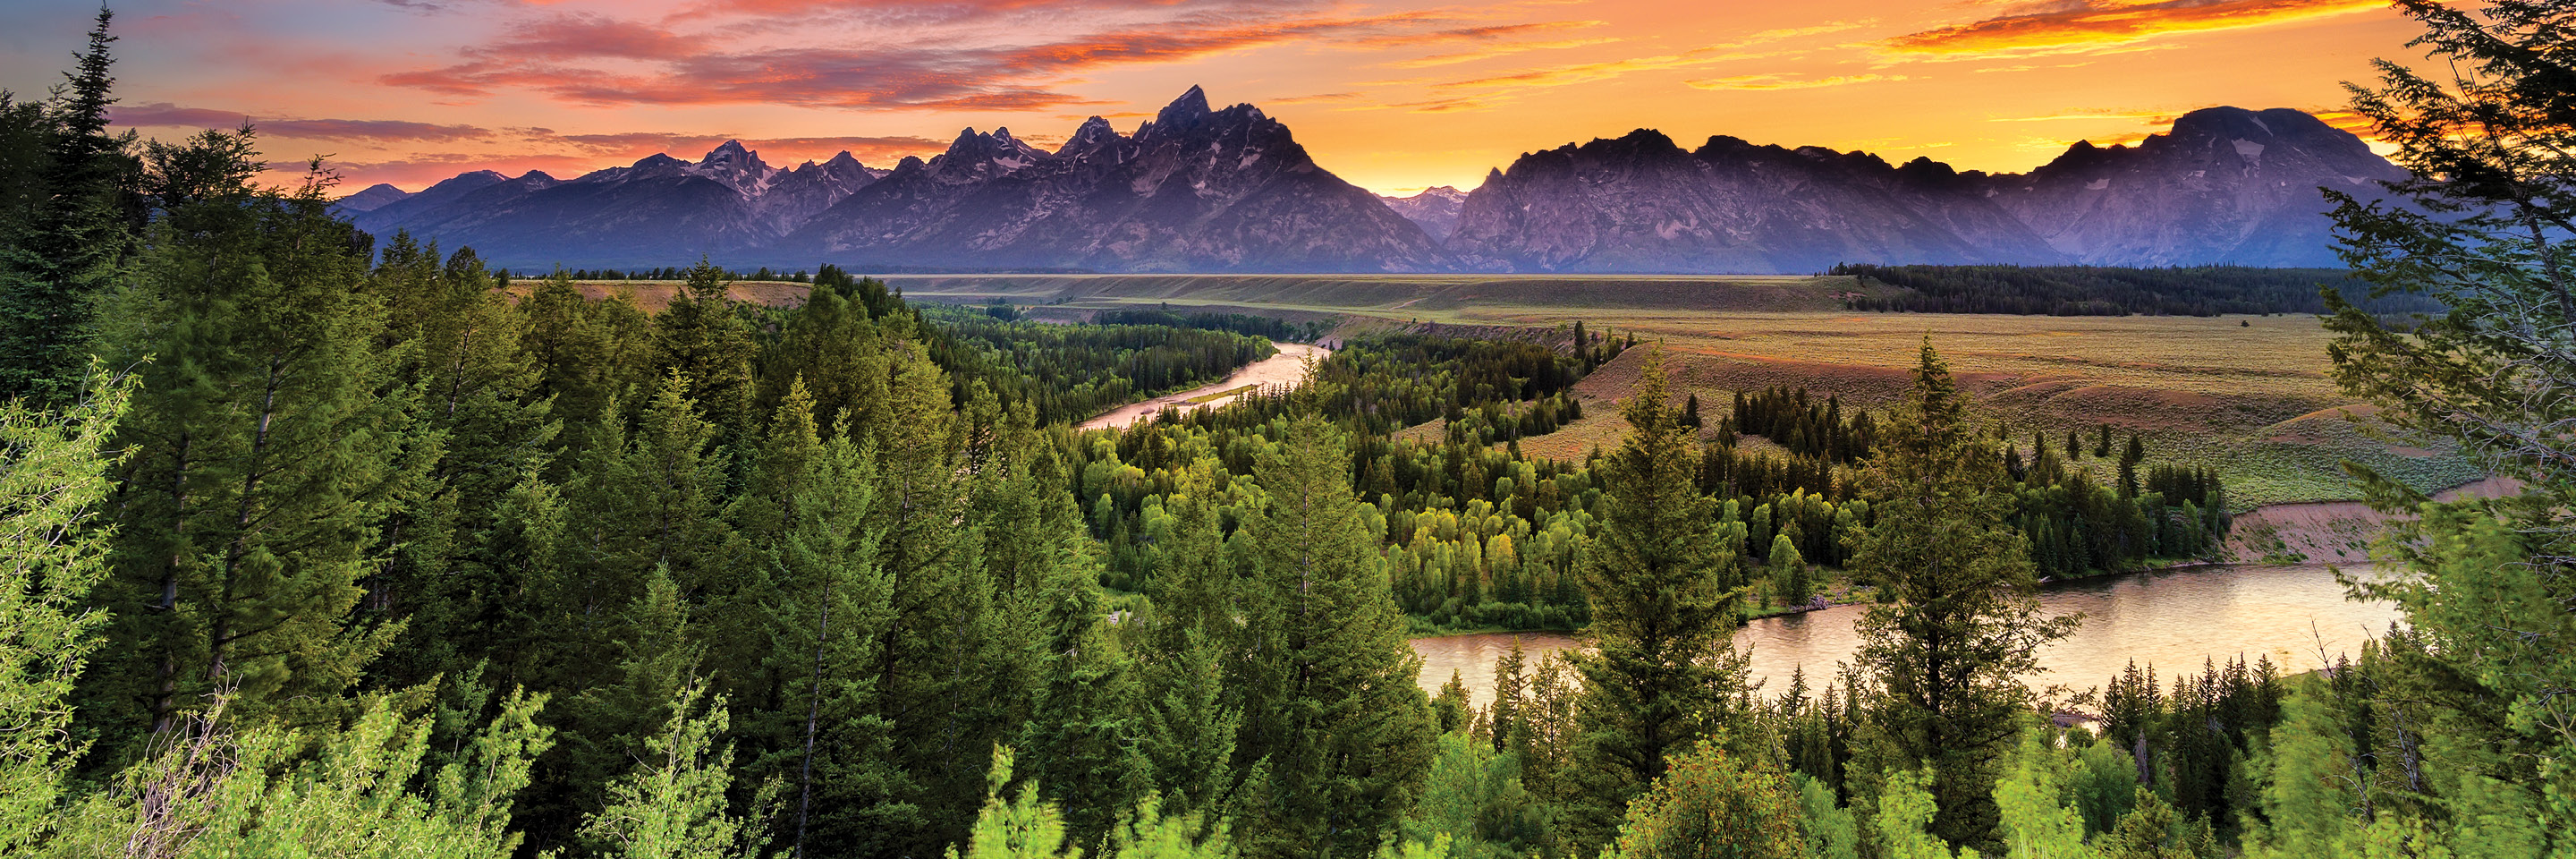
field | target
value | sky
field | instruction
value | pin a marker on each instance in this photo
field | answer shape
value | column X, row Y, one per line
column 1393, row 96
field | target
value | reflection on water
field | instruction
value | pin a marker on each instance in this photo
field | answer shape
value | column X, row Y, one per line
column 2296, row 615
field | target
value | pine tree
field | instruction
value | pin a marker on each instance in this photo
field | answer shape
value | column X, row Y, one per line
column 1333, row 714
column 2482, row 231
column 1661, row 617
column 463, row 350
column 703, row 341
column 1960, row 626
column 76, row 233
column 271, row 440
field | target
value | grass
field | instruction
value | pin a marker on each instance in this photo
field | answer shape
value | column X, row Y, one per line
column 2252, row 400
column 1462, row 299
column 1219, row 395
column 653, row 295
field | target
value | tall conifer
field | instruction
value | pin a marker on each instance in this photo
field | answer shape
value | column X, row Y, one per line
column 1661, row 613
column 1334, row 716
column 1960, row 625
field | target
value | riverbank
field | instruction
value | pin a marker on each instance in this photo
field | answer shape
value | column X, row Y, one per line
column 2327, row 532
column 1286, row 368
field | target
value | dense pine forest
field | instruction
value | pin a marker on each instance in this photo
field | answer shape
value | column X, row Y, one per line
column 320, row 543
column 2105, row 291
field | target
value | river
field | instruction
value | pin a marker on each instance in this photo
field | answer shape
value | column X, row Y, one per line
column 1285, row 368
column 2297, row 615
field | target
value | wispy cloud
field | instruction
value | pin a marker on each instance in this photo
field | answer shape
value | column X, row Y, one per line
column 2079, row 26
column 1780, row 81
column 599, row 61
column 166, row 115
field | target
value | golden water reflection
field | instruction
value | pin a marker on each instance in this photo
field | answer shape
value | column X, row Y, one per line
column 2295, row 615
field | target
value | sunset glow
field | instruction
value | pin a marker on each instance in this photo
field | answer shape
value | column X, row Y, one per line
column 1392, row 95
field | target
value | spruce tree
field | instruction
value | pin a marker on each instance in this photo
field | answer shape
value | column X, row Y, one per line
column 1663, row 676
column 2490, row 141
column 77, row 230
column 1960, row 624
column 271, row 441
column 1334, row 724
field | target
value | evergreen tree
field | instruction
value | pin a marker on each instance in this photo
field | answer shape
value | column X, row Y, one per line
column 464, row 352
column 271, row 439
column 1664, row 676
column 1960, row 625
column 70, row 233
column 1333, row 719
column 2485, row 583
column 702, row 340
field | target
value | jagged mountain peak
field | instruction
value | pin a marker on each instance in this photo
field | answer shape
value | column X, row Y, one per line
column 982, row 154
column 728, row 151
column 1190, row 105
column 1094, row 134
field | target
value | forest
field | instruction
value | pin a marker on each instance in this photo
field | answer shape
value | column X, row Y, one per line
column 317, row 543
column 2109, row 291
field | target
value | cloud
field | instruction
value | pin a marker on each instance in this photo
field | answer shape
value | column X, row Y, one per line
column 2088, row 25
column 1780, row 81
column 1492, row 52
column 593, row 60
column 1317, row 98
column 2157, row 117
column 166, row 115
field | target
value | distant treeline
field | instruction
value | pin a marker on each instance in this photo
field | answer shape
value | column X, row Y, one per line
column 1239, row 323
column 681, row 272
column 2100, row 291
column 1071, row 372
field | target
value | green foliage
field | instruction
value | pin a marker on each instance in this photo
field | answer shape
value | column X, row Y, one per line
column 1664, row 676
column 1330, row 705
column 1711, row 805
column 1833, row 832
column 272, row 440
column 1960, row 625
column 672, row 806
column 213, row 788
column 2038, row 820
column 53, row 476
column 1474, row 805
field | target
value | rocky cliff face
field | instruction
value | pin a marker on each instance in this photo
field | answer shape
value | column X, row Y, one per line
column 1195, row 189
column 2225, row 185
column 1435, row 210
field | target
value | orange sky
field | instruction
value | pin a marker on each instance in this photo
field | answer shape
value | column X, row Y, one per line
column 1393, row 96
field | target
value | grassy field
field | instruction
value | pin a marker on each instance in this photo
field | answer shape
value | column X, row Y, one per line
column 653, row 295
column 2250, row 399
column 1465, row 299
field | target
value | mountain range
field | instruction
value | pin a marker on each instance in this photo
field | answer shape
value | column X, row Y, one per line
column 1200, row 189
